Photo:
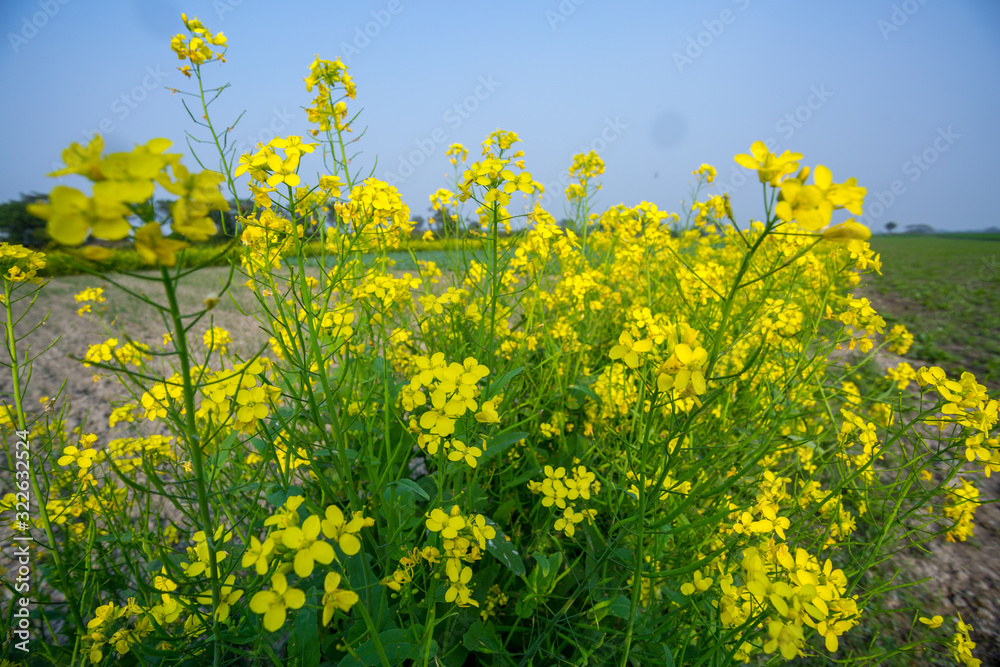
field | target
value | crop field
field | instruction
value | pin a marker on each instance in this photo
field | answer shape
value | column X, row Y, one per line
column 630, row 437
column 947, row 291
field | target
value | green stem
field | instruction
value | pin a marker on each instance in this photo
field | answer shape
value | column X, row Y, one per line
column 15, row 372
column 215, row 138
column 194, row 449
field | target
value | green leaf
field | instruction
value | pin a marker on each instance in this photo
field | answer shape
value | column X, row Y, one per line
column 482, row 639
column 225, row 449
column 586, row 391
column 620, row 607
column 503, row 550
column 668, row 656
column 543, row 563
column 277, row 496
column 503, row 512
column 500, row 443
column 412, row 487
column 496, row 387
column 397, row 645
column 303, row 647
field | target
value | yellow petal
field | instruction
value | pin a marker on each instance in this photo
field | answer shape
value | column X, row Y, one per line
column 274, row 618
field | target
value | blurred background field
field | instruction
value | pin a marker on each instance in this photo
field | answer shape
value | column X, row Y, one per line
column 946, row 289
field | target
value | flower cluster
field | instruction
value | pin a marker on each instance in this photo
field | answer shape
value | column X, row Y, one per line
column 299, row 547
column 19, row 264
column 375, row 217
column 899, row 340
column 325, row 75
column 708, row 171
column 457, row 152
column 267, row 167
column 197, row 50
column 217, row 339
column 961, row 509
column 794, row 592
column 240, row 392
column 562, row 491
column 586, row 166
column 453, row 389
column 266, row 240
column 121, row 181
column 463, row 539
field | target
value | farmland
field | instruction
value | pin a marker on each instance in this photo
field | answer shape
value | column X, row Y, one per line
column 946, row 289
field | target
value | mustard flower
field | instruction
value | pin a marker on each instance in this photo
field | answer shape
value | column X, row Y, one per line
column 154, row 248
column 335, row 597
column 629, row 349
column 344, row 532
column 770, row 167
column 308, row 549
column 275, row 603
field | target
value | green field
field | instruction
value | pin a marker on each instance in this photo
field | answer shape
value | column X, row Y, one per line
column 946, row 290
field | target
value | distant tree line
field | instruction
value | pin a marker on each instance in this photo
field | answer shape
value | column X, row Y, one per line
column 19, row 226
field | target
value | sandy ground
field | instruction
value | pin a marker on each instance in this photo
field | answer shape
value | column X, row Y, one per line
column 965, row 576
column 70, row 336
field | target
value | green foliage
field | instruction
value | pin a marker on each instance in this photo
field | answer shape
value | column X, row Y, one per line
column 19, row 226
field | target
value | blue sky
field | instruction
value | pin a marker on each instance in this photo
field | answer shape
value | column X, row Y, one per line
column 901, row 95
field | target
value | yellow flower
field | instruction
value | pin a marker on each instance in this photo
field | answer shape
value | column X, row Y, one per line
column 308, row 548
column 335, row 597
column 275, row 603
column 83, row 161
column 457, row 152
column 460, row 451
column 932, row 622
column 706, row 170
column 770, row 167
column 692, row 362
column 91, row 294
column 447, row 524
column 343, row 532
column 198, row 195
column 488, row 412
column 628, row 349
column 850, row 233
column 72, row 216
column 700, row 584
column 227, row 598
column 218, row 338
column 962, row 644
column 154, row 248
